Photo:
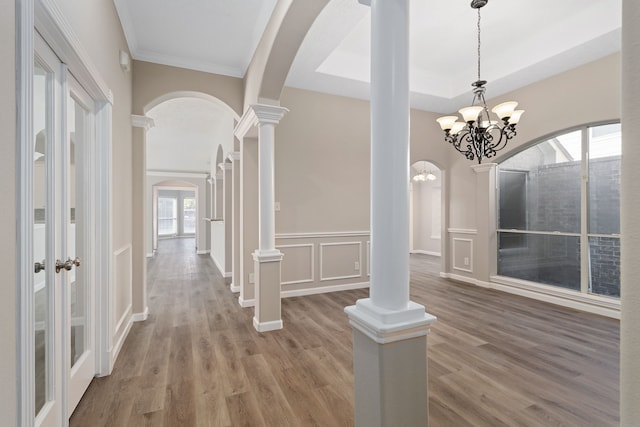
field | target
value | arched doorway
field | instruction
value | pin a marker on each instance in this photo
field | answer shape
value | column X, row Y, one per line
column 426, row 213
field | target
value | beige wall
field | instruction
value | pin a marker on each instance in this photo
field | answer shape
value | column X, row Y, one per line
column 322, row 158
column 8, row 296
column 151, row 81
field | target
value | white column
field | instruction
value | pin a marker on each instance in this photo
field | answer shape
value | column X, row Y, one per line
column 234, row 158
column 630, row 222
column 141, row 221
column 266, row 187
column 266, row 258
column 389, row 330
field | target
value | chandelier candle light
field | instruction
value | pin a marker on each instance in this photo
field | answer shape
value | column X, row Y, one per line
column 477, row 136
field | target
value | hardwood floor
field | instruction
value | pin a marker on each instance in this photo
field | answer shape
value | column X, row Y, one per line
column 494, row 359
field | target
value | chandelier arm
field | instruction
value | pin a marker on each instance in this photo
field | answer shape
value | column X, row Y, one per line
column 457, row 140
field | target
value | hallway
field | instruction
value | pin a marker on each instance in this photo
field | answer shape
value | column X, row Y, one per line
column 495, row 359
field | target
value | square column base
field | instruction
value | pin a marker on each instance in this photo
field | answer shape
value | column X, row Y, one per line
column 390, row 365
column 267, row 315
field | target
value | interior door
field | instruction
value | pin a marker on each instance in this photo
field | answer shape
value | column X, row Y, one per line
column 62, row 228
column 47, row 88
column 79, row 295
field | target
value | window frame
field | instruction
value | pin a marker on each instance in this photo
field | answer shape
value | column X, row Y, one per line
column 584, row 235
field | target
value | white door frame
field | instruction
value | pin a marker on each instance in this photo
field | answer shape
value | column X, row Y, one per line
column 47, row 18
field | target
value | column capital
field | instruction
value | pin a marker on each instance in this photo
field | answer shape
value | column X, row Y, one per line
column 268, row 256
column 142, row 122
column 385, row 326
column 233, row 156
column 484, row 167
column 258, row 114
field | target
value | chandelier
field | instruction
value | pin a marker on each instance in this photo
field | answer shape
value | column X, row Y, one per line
column 423, row 175
column 477, row 136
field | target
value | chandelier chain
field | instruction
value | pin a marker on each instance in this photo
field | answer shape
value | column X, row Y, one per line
column 478, row 44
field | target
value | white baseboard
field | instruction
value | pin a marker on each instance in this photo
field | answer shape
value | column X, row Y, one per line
column 267, row 326
column 563, row 301
column 227, row 275
column 140, row 317
column 202, row 252
column 115, row 350
column 218, row 265
column 420, row 251
column 150, row 255
column 235, row 289
column 244, row 303
column 323, row 289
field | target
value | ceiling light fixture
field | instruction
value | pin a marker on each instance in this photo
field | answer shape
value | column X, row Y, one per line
column 477, row 136
column 425, row 176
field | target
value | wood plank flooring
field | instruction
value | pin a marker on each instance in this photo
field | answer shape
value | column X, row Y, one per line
column 494, row 359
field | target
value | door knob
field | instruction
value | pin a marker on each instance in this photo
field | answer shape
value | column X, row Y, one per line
column 67, row 265
column 38, row 266
column 75, row 261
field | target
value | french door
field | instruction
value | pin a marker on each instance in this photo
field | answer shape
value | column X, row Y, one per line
column 64, row 296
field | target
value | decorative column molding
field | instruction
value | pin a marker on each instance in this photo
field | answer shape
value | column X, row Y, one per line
column 629, row 220
column 484, row 261
column 142, row 122
column 389, row 330
column 234, row 158
column 266, row 258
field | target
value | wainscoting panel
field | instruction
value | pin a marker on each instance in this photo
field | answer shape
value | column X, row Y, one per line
column 297, row 263
column 340, row 260
column 462, row 254
column 323, row 262
column 121, row 298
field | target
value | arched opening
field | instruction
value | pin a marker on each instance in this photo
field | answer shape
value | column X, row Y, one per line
column 174, row 212
column 191, row 136
column 426, row 214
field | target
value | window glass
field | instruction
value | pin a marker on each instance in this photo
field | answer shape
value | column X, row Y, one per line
column 548, row 185
column 539, row 211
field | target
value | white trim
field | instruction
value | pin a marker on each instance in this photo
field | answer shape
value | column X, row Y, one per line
column 185, row 62
column 235, row 289
column 144, row 122
column 312, row 262
column 462, row 230
column 244, row 303
column 323, row 289
column 150, row 255
column 420, row 251
column 273, row 325
column 206, row 252
column 542, row 233
column 115, row 350
column 57, row 31
column 25, row 363
column 140, row 317
column 217, row 263
column 588, row 303
column 484, row 167
column 318, row 235
column 453, row 255
column 173, row 174
column 322, row 245
column 227, row 275
column 368, row 258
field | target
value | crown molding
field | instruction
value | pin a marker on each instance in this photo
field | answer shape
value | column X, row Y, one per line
column 142, row 122
column 258, row 114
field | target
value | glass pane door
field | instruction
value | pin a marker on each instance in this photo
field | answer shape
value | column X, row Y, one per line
column 189, row 215
column 42, row 100
column 167, row 216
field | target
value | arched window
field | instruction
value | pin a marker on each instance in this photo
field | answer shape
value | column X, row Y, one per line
column 559, row 211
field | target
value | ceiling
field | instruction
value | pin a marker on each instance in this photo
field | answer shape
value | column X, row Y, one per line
column 522, row 42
